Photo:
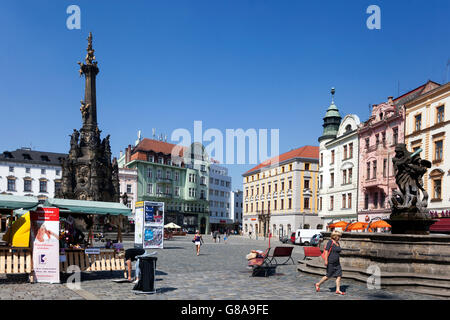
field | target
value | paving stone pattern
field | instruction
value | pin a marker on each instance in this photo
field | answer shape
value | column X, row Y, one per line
column 220, row 272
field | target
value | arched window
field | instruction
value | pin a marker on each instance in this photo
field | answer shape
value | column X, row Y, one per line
column 306, row 226
column 348, row 128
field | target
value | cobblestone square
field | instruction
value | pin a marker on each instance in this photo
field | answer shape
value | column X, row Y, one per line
column 219, row 273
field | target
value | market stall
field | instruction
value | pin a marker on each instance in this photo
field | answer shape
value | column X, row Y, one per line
column 75, row 218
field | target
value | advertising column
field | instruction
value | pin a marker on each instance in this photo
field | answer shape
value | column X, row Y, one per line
column 45, row 240
column 153, row 225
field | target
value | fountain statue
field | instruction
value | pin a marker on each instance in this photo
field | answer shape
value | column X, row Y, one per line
column 409, row 203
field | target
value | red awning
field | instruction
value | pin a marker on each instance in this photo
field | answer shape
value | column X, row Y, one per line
column 443, row 225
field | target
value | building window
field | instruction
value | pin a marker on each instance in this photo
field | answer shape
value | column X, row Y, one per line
column 437, row 189
column 149, row 173
column 395, row 135
column 307, row 184
column 128, row 188
column 290, row 167
column 350, row 150
column 345, row 152
column 418, row 122
column 290, row 203
column 58, row 172
column 383, row 138
column 384, row 167
column 151, row 158
column 275, row 204
column 438, row 145
column 43, row 171
column 42, row 186
column 27, row 170
column 332, row 156
column 367, row 143
column 27, row 185
column 368, row 171
column 149, row 188
column 366, row 201
column 160, row 160
column 321, row 159
column 320, row 181
column 374, row 169
column 320, row 203
column 344, row 176
column 375, row 200
column 11, row 169
column 11, row 184
column 440, row 114
column 159, row 174
column 350, row 172
column 377, row 139
column 344, row 200
column 331, row 202
column 306, row 203
column 349, row 199
column 332, row 180
column 306, row 166
column 168, row 174
column 282, row 204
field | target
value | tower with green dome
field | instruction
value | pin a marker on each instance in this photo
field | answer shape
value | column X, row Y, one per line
column 331, row 121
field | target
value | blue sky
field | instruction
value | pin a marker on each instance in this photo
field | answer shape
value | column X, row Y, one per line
column 259, row 64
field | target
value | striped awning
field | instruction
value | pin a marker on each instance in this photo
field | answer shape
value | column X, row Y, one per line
column 88, row 207
column 17, row 202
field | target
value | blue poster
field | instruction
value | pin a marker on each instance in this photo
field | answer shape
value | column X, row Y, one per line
column 148, row 234
column 149, row 210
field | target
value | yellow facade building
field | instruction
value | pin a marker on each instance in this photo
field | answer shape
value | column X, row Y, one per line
column 280, row 194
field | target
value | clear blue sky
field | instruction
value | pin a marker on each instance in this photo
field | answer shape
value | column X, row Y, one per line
column 230, row 63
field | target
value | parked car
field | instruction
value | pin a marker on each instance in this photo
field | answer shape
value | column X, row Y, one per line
column 303, row 236
column 316, row 239
column 292, row 237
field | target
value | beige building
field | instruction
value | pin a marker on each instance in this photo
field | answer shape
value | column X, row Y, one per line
column 280, row 194
column 427, row 126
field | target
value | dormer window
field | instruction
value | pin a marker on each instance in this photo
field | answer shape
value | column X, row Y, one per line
column 8, row 155
column 348, row 128
column 26, row 156
column 45, row 158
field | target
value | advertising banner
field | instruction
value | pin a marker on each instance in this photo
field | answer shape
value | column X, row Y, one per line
column 149, row 226
column 139, row 225
column 45, row 240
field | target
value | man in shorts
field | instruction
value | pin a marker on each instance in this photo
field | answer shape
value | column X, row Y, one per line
column 130, row 255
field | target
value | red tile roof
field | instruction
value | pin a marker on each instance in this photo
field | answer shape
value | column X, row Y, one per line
column 311, row 152
column 157, row 146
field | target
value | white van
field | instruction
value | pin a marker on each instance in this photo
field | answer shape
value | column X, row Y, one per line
column 303, row 236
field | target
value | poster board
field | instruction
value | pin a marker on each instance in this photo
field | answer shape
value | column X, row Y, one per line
column 149, row 225
column 45, row 242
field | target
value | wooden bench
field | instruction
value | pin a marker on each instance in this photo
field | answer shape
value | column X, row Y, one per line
column 311, row 252
column 107, row 260
column 15, row 260
column 281, row 252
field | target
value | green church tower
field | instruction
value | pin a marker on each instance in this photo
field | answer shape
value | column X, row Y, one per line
column 331, row 121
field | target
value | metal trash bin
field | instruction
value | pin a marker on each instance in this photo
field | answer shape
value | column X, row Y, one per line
column 146, row 283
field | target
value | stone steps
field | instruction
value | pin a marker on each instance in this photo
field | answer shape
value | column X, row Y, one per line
column 425, row 284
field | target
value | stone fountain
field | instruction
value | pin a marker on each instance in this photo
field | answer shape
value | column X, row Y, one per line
column 408, row 258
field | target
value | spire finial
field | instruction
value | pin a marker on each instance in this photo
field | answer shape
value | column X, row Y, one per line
column 90, row 52
column 333, row 90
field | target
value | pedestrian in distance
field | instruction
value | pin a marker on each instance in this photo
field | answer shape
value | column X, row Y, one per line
column 225, row 238
column 215, row 236
column 331, row 258
column 198, row 240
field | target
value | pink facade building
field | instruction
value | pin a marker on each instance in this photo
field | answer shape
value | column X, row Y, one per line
column 377, row 139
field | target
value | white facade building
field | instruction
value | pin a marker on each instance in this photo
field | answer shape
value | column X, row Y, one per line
column 338, row 167
column 128, row 179
column 220, row 213
column 27, row 172
column 427, row 126
column 236, row 208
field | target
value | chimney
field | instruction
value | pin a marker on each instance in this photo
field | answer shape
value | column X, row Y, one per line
column 128, row 154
